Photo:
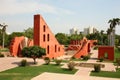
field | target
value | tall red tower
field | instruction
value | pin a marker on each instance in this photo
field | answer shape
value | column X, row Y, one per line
column 45, row 38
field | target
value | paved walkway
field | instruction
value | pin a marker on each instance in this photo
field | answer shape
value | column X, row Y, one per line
column 56, row 76
column 12, row 62
column 83, row 73
column 108, row 66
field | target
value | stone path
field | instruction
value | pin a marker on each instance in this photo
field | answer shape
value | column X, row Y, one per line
column 56, row 76
column 82, row 74
column 11, row 62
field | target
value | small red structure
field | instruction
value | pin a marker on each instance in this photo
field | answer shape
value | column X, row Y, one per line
column 106, row 52
column 82, row 47
column 18, row 43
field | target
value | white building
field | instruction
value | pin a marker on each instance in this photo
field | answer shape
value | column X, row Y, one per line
column 74, row 31
column 90, row 30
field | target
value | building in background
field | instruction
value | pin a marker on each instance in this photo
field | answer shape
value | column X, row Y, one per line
column 89, row 30
column 74, row 31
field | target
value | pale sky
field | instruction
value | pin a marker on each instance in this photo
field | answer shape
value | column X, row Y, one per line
column 60, row 15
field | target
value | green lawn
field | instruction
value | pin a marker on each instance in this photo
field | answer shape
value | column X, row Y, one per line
column 117, row 53
column 107, row 74
column 28, row 72
column 4, row 50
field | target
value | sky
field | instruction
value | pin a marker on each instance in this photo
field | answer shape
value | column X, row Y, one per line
column 60, row 15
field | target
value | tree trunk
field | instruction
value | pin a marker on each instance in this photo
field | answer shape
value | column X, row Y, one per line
column 34, row 60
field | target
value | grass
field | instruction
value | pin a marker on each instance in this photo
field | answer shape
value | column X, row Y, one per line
column 28, row 72
column 66, row 61
column 106, row 74
column 117, row 53
column 4, row 50
column 77, row 59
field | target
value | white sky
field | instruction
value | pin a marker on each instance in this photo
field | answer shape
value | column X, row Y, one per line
column 60, row 15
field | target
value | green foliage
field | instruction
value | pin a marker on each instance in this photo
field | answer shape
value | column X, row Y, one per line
column 28, row 72
column 62, row 38
column 117, row 53
column 97, row 68
column 8, row 38
column 65, row 39
column 109, row 74
column 118, row 61
column 58, row 61
column 102, row 38
column 23, row 63
column 96, row 47
column 47, row 60
column 1, row 55
column 34, row 52
column 101, row 59
column 118, row 48
column 76, row 36
column 4, row 50
column 71, row 65
column 86, row 57
column 29, row 33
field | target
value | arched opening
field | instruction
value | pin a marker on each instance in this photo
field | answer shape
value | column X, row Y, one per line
column 59, row 49
column 55, row 48
column 44, row 28
column 48, row 37
column 44, row 37
column 48, row 49
column 88, row 47
column 106, row 55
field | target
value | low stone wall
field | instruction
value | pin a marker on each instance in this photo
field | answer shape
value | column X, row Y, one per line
column 90, row 65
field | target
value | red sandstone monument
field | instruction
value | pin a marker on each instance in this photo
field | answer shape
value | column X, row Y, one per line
column 42, row 37
column 82, row 47
column 45, row 38
column 106, row 52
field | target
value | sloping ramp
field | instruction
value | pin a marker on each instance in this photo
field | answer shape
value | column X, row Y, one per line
column 84, row 50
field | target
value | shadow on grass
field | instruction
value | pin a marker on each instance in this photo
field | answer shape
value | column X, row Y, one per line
column 65, row 69
column 53, row 64
column 28, row 63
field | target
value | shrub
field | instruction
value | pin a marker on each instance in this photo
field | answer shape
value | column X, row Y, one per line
column 118, row 48
column 23, row 63
column 58, row 61
column 101, row 59
column 97, row 68
column 71, row 65
column 95, row 48
column 86, row 57
column 47, row 60
column 1, row 55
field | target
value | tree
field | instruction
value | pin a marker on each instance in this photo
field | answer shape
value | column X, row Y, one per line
column 113, row 23
column 62, row 38
column 102, row 35
column 29, row 33
column 12, row 35
column 76, row 36
column 33, row 52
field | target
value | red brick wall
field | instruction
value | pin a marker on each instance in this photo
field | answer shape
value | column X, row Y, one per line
column 45, row 38
column 106, row 49
column 15, row 45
